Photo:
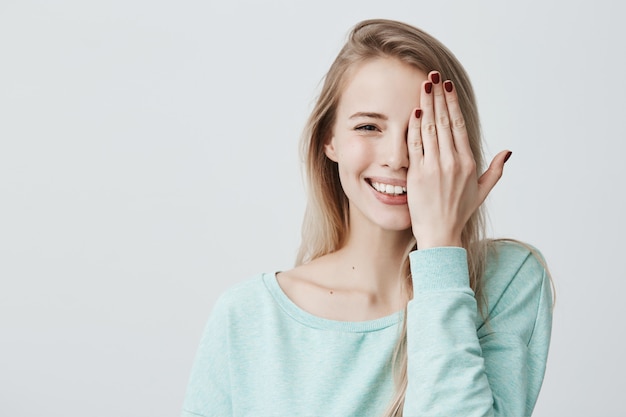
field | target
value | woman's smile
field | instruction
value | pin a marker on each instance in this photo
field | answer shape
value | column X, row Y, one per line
column 369, row 142
column 389, row 191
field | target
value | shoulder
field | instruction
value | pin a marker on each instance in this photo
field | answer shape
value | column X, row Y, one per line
column 242, row 290
column 517, row 287
column 513, row 261
column 242, row 300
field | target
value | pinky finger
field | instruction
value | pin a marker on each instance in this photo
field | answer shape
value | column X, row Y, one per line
column 414, row 138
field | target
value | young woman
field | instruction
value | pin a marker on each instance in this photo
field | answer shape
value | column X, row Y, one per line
column 398, row 305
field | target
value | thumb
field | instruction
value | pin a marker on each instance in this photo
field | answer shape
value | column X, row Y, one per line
column 489, row 179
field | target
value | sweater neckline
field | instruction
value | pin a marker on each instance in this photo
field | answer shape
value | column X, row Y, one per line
column 316, row 322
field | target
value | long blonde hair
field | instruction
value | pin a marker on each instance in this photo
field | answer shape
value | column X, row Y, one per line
column 326, row 219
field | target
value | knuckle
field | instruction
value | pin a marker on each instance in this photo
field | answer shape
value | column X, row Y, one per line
column 432, row 171
column 496, row 173
column 469, row 165
column 430, row 128
column 458, row 122
column 450, row 165
column 443, row 121
column 415, row 144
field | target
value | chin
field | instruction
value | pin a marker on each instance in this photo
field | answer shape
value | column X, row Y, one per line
column 399, row 228
column 395, row 224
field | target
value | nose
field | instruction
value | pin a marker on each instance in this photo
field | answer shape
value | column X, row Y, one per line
column 396, row 154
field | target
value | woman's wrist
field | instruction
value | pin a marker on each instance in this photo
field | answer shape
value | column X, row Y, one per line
column 438, row 242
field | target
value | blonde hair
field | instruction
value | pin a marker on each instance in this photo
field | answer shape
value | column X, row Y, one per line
column 326, row 219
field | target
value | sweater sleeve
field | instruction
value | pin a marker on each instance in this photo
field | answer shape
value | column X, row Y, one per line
column 208, row 392
column 460, row 365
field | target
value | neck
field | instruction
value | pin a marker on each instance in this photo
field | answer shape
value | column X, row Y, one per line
column 373, row 258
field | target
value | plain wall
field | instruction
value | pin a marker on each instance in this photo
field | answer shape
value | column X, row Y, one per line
column 149, row 160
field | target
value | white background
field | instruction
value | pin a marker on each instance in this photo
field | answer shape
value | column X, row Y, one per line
column 149, row 161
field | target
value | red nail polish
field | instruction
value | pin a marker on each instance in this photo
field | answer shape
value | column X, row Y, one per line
column 508, row 155
column 418, row 113
column 448, row 86
column 428, row 87
column 435, row 77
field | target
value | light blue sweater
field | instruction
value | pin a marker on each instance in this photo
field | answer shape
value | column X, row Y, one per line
column 263, row 356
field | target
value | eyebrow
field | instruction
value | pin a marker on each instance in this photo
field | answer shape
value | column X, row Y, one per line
column 370, row 115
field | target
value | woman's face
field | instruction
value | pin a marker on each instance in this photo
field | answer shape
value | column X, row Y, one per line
column 369, row 140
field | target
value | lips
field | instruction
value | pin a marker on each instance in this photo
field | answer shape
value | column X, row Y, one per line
column 388, row 185
column 388, row 188
column 389, row 191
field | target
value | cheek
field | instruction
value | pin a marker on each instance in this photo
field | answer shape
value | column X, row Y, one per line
column 355, row 154
column 354, row 161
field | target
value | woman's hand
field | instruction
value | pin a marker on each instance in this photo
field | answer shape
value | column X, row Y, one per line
column 443, row 188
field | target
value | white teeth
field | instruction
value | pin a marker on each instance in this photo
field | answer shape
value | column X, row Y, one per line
column 388, row 188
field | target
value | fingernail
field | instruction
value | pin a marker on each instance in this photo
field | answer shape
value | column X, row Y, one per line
column 448, row 86
column 508, row 155
column 428, row 87
column 418, row 113
column 434, row 77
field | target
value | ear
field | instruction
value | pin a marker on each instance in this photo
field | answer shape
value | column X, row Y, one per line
column 329, row 149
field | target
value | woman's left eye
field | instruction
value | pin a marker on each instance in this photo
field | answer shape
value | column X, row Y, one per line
column 370, row 128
